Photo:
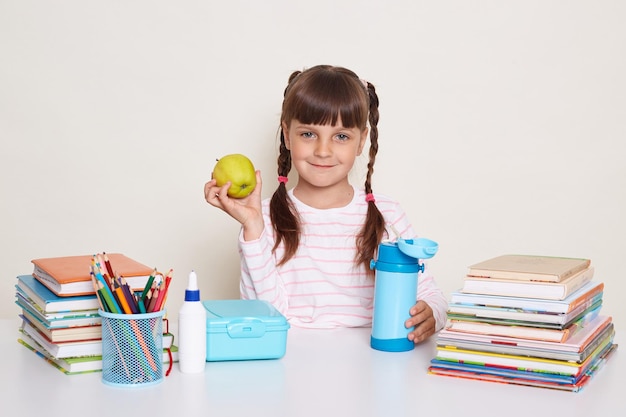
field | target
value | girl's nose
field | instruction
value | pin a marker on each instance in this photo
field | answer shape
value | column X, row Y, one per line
column 323, row 147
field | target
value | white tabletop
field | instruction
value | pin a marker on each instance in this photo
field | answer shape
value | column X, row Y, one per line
column 324, row 373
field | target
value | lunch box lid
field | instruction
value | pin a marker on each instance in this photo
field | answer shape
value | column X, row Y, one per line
column 243, row 318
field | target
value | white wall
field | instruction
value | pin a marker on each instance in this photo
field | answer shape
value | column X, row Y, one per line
column 502, row 125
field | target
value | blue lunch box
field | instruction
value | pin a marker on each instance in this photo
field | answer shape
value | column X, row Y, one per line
column 244, row 330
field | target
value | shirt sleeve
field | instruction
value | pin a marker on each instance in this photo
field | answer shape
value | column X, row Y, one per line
column 259, row 276
column 429, row 291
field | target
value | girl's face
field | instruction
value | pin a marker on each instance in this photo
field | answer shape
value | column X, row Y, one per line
column 323, row 155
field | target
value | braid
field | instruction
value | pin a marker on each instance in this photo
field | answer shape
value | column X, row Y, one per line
column 373, row 229
column 285, row 222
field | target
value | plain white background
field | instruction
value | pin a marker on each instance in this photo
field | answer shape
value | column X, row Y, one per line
column 502, row 126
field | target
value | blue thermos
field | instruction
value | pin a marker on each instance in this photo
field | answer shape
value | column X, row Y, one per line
column 395, row 290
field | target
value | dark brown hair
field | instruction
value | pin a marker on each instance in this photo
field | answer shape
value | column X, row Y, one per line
column 321, row 95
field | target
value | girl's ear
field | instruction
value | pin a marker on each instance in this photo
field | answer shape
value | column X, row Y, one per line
column 286, row 135
column 363, row 139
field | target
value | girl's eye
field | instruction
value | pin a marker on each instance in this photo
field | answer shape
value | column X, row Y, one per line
column 308, row 135
column 342, row 137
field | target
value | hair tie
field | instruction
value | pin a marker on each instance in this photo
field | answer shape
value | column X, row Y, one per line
column 282, row 180
column 369, row 197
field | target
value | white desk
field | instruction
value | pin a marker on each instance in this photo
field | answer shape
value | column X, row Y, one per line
column 324, row 373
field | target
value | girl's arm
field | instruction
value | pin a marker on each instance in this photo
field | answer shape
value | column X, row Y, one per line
column 259, row 276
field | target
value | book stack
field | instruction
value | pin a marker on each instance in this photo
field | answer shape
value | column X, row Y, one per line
column 59, row 311
column 526, row 320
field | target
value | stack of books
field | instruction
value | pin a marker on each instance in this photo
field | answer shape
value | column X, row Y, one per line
column 59, row 311
column 526, row 320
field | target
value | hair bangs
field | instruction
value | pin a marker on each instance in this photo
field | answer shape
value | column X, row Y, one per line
column 326, row 98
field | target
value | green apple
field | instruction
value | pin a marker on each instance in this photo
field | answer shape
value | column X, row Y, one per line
column 237, row 169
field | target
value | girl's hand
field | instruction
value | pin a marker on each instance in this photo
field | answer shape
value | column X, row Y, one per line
column 423, row 320
column 246, row 211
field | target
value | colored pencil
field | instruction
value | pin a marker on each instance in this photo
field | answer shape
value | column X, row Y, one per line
column 147, row 301
column 141, row 305
column 128, row 294
column 107, row 290
column 108, row 297
column 107, row 264
column 155, row 296
column 163, row 294
column 96, row 290
column 148, row 285
column 123, row 302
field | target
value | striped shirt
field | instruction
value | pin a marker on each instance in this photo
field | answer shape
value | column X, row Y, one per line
column 321, row 286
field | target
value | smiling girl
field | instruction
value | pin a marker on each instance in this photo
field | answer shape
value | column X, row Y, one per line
column 307, row 249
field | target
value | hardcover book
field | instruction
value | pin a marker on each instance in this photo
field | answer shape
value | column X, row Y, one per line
column 70, row 275
column 520, row 377
column 578, row 342
column 528, row 289
column 490, row 314
column 514, row 348
column 521, row 363
column 64, row 334
column 521, row 332
column 82, row 364
column 48, row 301
column 63, row 349
column 529, row 267
column 71, row 319
column 574, row 300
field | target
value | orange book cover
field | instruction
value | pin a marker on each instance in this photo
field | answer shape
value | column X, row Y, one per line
column 70, row 275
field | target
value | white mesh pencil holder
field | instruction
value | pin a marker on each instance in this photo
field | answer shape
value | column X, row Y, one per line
column 132, row 348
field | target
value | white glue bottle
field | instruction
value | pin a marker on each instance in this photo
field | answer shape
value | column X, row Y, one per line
column 192, row 330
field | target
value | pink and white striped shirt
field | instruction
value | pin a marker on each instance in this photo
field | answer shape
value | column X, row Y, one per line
column 321, row 286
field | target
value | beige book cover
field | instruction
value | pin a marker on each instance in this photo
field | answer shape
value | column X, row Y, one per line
column 529, row 267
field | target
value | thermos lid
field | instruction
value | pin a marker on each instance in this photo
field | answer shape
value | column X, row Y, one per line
column 404, row 252
column 419, row 248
